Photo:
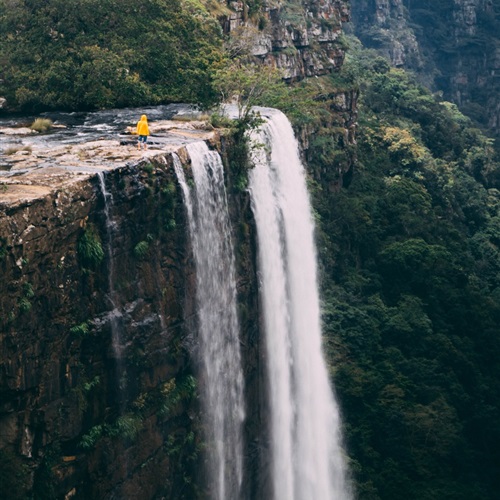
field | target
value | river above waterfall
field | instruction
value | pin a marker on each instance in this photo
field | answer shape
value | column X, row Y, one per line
column 72, row 128
column 32, row 164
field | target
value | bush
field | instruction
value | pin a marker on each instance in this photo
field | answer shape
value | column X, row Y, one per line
column 42, row 125
column 90, row 248
column 141, row 250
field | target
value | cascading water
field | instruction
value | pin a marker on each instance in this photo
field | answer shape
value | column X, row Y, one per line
column 115, row 315
column 220, row 359
column 307, row 458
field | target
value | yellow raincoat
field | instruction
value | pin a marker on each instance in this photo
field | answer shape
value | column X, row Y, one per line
column 142, row 126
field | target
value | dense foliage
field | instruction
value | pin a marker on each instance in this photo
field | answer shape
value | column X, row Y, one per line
column 410, row 254
column 92, row 54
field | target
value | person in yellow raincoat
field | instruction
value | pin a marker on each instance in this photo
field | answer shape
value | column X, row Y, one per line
column 142, row 132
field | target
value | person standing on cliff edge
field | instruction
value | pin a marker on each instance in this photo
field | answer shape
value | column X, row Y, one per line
column 142, row 132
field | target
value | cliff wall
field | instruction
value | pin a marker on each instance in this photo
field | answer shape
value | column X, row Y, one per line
column 451, row 45
column 83, row 425
column 85, row 259
column 300, row 38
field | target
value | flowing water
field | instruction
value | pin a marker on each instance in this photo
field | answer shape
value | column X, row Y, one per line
column 306, row 452
column 222, row 391
column 115, row 316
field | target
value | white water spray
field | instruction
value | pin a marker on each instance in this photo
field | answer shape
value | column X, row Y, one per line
column 115, row 315
column 307, row 457
column 218, row 324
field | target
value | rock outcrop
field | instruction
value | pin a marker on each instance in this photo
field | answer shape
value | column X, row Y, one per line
column 300, row 39
column 98, row 368
column 93, row 245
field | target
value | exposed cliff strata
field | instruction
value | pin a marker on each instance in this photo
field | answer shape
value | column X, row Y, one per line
column 452, row 45
column 384, row 24
column 81, row 428
column 302, row 39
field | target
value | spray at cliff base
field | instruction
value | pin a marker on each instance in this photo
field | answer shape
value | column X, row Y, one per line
column 306, row 454
column 222, row 395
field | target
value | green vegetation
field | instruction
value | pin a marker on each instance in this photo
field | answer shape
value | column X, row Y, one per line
column 141, row 250
column 90, row 249
column 41, row 125
column 125, row 427
column 28, row 291
column 174, row 392
column 410, row 260
column 94, row 54
column 81, row 330
column 455, row 44
column 24, row 305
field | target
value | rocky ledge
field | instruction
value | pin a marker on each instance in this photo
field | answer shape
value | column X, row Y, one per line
column 31, row 168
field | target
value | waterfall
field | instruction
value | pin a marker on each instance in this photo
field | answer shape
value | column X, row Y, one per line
column 220, row 360
column 306, row 454
column 115, row 315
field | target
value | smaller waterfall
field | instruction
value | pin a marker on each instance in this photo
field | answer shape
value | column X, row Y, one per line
column 307, row 458
column 115, row 315
column 220, row 359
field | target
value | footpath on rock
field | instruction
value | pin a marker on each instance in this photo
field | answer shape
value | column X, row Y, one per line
column 79, row 145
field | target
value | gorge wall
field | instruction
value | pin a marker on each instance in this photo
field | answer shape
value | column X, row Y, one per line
column 452, row 46
column 302, row 39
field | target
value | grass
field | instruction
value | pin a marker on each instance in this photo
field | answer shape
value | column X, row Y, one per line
column 41, row 125
column 15, row 149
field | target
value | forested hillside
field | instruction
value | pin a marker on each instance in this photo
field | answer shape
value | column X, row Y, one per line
column 411, row 274
column 94, row 54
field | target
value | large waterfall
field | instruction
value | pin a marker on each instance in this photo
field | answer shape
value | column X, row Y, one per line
column 306, row 454
column 222, row 390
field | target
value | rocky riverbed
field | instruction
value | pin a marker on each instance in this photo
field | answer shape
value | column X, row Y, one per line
column 33, row 164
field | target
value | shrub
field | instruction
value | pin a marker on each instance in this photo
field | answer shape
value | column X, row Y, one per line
column 90, row 248
column 41, row 125
column 80, row 330
column 141, row 250
column 28, row 290
column 24, row 305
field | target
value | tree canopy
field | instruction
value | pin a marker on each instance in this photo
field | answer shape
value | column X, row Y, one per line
column 92, row 54
column 410, row 254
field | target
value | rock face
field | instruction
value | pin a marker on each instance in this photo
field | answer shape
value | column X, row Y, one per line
column 384, row 24
column 58, row 367
column 301, row 39
column 452, row 45
column 82, row 256
column 97, row 275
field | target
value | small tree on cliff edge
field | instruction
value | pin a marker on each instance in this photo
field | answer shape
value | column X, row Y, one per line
column 248, row 85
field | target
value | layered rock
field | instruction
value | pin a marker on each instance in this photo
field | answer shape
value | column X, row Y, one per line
column 94, row 245
column 302, row 39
